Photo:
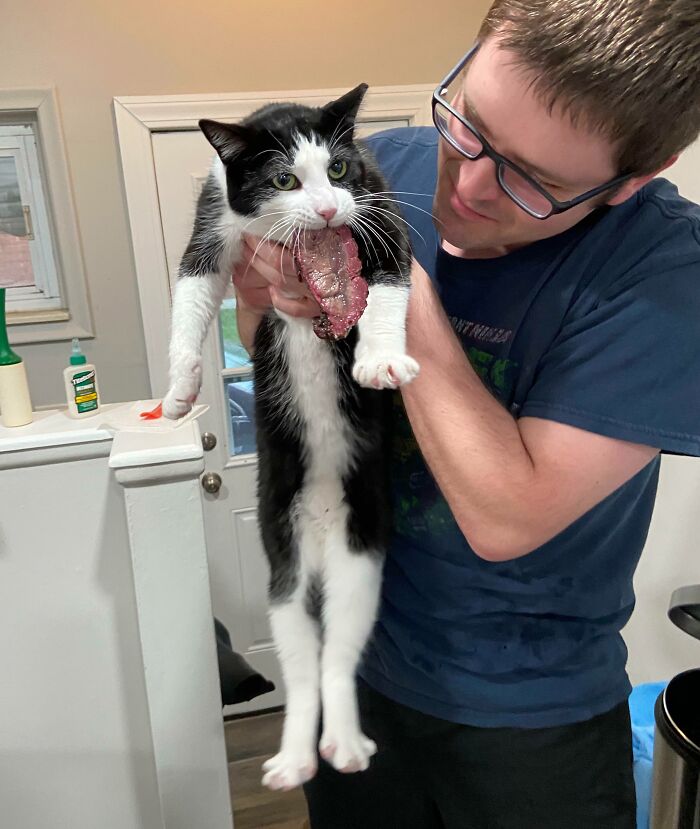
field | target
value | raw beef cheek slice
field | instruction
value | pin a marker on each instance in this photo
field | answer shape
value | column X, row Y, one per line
column 327, row 261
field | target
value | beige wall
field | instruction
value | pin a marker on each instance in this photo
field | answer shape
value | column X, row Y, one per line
column 93, row 51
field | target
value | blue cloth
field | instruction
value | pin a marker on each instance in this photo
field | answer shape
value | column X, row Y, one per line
column 641, row 702
column 535, row 642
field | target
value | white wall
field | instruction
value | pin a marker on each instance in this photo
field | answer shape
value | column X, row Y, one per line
column 92, row 51
column 671, row 558
column 658, row 649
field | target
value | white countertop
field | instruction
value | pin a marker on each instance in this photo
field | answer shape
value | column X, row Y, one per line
column 53, row 427
column 135, row 442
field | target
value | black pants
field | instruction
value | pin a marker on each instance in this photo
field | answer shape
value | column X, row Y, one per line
column 432, row 774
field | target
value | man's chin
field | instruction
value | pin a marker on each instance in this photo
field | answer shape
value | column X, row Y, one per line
column 460, row 231
column 469, row 238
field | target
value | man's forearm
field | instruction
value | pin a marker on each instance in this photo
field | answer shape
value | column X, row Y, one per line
column 472, row 444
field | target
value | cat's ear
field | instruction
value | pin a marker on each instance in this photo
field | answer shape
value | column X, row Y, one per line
column 347, row 105
column 229, row 140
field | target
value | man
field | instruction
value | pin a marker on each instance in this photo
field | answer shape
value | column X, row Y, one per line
column 554, row 314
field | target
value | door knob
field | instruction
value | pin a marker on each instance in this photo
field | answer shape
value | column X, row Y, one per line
column 211, row 482
column 208, row 441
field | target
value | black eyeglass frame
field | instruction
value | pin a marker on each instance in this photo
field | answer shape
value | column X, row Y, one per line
column 501, row 161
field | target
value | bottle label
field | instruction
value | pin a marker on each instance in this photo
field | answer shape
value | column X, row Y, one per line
column 84, row 391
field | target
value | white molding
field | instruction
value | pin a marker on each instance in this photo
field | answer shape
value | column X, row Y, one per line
column 184, row 111
column 136, row 118
column 175, row 621
column 141, row 190
column 154, row 454
column 43, row 103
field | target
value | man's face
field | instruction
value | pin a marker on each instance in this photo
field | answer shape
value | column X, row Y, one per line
column 473, row 213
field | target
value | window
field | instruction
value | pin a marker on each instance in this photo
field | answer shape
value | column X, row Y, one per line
column 40, row 249
column 27, row 262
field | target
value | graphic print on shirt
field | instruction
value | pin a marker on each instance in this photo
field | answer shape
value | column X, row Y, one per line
column 420, row 509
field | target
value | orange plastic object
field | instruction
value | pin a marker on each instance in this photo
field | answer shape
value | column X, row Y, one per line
column 154, row 414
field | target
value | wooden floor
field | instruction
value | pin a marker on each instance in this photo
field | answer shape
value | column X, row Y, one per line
column 250, row 741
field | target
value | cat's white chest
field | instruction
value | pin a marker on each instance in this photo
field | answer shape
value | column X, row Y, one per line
column 315, row 394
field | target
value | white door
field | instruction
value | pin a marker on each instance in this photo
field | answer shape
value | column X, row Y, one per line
column 237, row 562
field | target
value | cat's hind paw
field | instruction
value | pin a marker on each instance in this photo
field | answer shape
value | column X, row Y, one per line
column 379, row 370
column 288, row 769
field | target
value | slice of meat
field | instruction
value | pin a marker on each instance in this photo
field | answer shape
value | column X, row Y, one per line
column 327, row 261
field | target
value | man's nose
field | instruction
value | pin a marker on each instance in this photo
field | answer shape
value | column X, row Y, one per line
column 477, row 179
column 328, row 213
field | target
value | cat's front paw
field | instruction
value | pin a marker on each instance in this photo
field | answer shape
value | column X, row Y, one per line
column 347, row 749
column 289, row 769
column 381, row 370
column 183, row 393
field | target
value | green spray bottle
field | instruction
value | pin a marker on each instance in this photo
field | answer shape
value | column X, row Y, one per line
column 15, row 403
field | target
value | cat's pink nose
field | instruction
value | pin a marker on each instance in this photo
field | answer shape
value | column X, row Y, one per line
column 327, row 214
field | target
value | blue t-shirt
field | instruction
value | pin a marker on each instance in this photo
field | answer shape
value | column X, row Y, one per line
column 535, row 642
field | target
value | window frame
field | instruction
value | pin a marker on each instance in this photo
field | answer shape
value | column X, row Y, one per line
column 70, row 317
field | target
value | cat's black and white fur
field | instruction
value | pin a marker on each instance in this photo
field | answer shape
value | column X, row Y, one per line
column 321, row 419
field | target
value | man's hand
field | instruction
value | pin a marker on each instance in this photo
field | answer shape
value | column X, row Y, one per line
column 266, row 277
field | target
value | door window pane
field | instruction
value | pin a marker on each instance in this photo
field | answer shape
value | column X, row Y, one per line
column 233, row 353
column 238, row 393
column 238, row 384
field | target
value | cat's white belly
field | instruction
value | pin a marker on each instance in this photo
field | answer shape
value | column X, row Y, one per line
column 327, row 438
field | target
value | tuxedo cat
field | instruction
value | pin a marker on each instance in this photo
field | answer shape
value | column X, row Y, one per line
column 295, row 174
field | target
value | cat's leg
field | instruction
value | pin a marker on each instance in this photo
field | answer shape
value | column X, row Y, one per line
column 292, row 553
column 205, row 274
column 196, row 301
column 381, row 361
column 351, row 597
column 297, row 640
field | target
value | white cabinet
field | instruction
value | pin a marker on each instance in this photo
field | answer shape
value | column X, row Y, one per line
column 110, row 713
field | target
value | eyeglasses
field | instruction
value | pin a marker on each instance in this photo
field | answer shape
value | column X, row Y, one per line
column 522, row 188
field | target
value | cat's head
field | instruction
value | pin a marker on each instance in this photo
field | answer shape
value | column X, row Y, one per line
column 293, row 166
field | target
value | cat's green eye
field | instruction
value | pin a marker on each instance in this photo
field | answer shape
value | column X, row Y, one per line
column 285, row 181
column 338, row 169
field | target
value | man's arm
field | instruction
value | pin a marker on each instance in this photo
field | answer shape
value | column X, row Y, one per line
column 511, row 484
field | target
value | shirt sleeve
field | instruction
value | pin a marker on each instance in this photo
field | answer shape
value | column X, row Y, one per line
column 407, row 157
column 628, row 367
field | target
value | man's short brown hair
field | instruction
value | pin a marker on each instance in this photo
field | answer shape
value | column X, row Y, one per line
column 629, row 69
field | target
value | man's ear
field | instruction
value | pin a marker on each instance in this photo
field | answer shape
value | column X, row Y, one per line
column 229, row 140
column 630, row 187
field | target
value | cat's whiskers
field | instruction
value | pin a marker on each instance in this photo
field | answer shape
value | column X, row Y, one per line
column 331, row 142
column 263, row 216
column 393, row 217
column 344, row 132
column 272, row 152
column 279, row 224
column 395, row 192
column 373, row 227
column 360, row 222
column 370, row 198
column 285, row 243
column 285, row 151
column 367, row 239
